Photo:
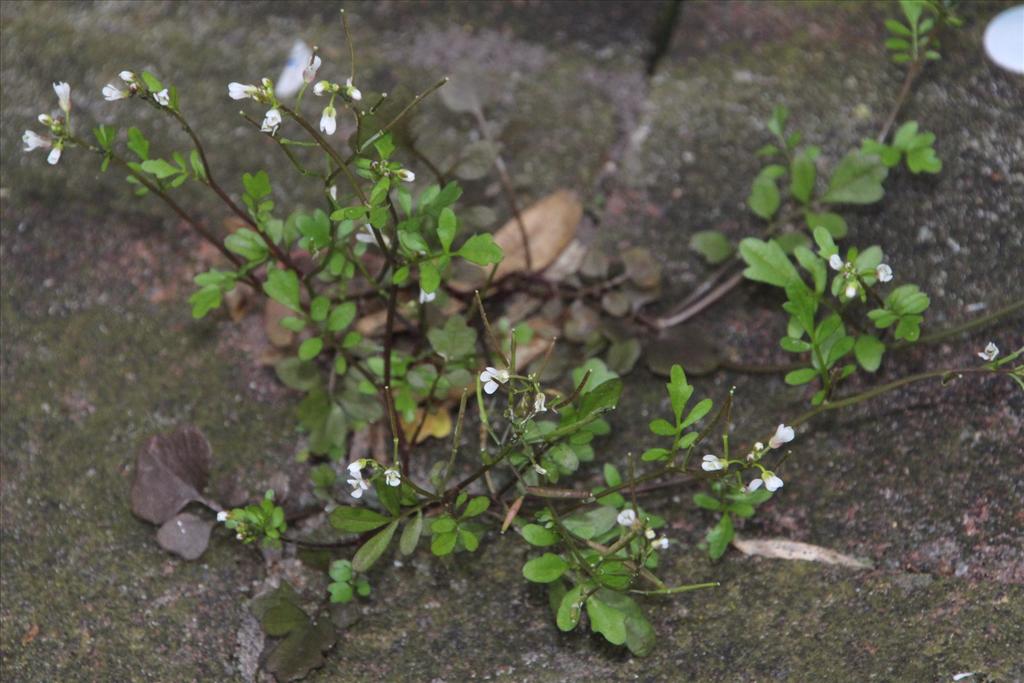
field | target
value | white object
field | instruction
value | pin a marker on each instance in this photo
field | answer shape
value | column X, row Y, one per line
column 290, row 79
column 1004, row 39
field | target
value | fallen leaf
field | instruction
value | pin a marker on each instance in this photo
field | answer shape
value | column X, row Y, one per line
column 304, row 641
column 641, row 267
column 781, row 549
column 185, row 535
column 438, row 424
column 273, row 312
column 550, row 225
column 30, row 635
column 686, row 346
column 510, row 516
column 171, row 472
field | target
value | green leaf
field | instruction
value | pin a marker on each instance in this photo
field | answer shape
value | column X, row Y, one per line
column 446, row 227
column 246, row 243
column 869, row 351
column 801, row 376
column 342, row 316
column 430, row 277
column 777, row 123
column 713, row 245
column 205, row 300
column 545, row 569
column 591, row 523
column 679, row 391
column 570, row 609
column 856, row 180
column 534, row 534
column 833, row 222
column 153, row 83
column 823, row 238
column 310, row 348
column 453, row 341
column 662, row 427
column 481, row 250
column 318, row 308
column 477, row 506
column 705, row 501
column 698, row 411
column 160, row 168
column 802, row 174
column 912, row 10
column 766, row 262
column 923, row 160
column 138, row 143
column 604, row 397
column 897, row 28
column 443, row 543
column 373, row 548
column 256, row 186
column 356, row 520
column 764, row 199
column 385, row 146
column 606, row 620
column 283, row 287
column 652, row 454
column 411, row 535
column 813, row 265
column 295, row 374
column 719, row 537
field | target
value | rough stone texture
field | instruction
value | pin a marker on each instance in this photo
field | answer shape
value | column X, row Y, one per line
column 98, row 351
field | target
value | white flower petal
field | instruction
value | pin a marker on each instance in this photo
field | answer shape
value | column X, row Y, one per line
column 835, row 262
column 883, row 272
column 328, row 124
column 309, row 73
column 63, row 91
column 240, row 91
column 627, row 517
column 113, row 93
column 127, row 76
column 222, row 516
column 33, row 141
column 990, row 352
column 271, row 120
column 490, row 387
column 773, row 483
column 782, row 435
column 163, row 97
column 54, row 156
column 539, row 403
column 754, row 485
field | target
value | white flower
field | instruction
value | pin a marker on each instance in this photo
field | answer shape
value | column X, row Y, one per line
column 162, row 98
column 392, row 477
column 321, row 87
column 990, row 352
column 883, row 272
column 351, row 91
column 333, row 191
column 650, row 534
column 127, row 76
column 427, row 297
column 835, row 262
column 63, row 91
column 271, row 120
column 712, row 463
column 540, row 470
column 46, row 120
column 327, row 121
column 783, row 434
column 661, row 543
column 627, row 517
column 355, row 480
column 54, row 156
column 112, row 93
column 239, row 536
column 539, row 402
column 770, row 481
column 851, row 290
column 492, row 377
column 33, row 141
column 240, row 91
column 367, row 236
column 309, row 72
column 222, row 516
column 406, row 175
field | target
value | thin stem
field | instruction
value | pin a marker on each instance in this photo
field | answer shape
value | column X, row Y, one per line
column 908, row 82
column 966, row 326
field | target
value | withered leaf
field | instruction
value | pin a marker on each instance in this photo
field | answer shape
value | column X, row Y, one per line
column 304, row 642
column 550, row 225
column 641, row 267
column 185, row 535
column 170, row 472
column 782, row 549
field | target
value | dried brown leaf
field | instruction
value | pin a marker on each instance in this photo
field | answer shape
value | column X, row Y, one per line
column 171, row 471
column 782, row 549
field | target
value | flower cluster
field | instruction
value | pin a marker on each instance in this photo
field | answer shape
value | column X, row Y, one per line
column 628, row 518
column 848, row 270
column 328, row 118
column 359, row 483
column 59, row 127
column 783, row 435
column 492, row 378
